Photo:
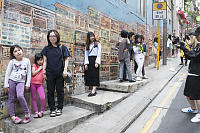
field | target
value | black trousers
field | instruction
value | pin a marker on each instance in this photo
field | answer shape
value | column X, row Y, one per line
column 55, row 83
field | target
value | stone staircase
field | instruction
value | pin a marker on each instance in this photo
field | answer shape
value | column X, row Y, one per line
column 80, row 109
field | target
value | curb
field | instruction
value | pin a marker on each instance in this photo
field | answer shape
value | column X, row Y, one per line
column 128, row 123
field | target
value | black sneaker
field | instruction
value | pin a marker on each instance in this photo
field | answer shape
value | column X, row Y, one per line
column 58, row 112
column 132, row 80
column 121, row 80
column 53, row 113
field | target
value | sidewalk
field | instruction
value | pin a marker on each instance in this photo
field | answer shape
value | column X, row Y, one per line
column 111, row 111
column 118, row 118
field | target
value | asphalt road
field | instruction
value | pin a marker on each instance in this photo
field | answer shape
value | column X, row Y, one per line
column 175, row 121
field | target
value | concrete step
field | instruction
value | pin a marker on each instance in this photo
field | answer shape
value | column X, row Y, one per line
column 115, row 85
column 103, row 101
column 71, row 117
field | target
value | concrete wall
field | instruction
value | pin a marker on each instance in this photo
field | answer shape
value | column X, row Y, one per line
column 26, row 22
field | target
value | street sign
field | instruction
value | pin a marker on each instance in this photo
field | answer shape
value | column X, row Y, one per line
column 159, row 14
column 159, row 10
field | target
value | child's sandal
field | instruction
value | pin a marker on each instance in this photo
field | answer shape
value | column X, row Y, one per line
column 17, row 120
column 36, row 115
column 40, row 114
column 27, row 119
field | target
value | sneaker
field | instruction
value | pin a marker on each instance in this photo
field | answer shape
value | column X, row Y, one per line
column 132, row 80
column 53, row 113
column 40, row 114
column 58, row 112
column 27, row 119
column 35, row 115
column 121, row 80
column 144, row 77
column 196, row 118
column 138, row 79
column 189, row 110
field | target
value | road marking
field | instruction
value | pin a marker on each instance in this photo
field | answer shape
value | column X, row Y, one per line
column 155, row 115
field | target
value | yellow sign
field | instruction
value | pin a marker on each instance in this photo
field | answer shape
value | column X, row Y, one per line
column 160, row 6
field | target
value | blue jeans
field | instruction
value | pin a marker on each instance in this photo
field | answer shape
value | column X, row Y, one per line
column 127, row 62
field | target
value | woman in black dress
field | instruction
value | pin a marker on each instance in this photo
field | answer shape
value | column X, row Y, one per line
column 92, row 63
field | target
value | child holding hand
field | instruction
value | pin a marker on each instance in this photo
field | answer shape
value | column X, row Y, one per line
column 37, row 85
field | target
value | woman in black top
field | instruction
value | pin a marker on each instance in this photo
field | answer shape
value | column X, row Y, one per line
column 54, row 70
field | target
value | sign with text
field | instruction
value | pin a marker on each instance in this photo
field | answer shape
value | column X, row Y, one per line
column 159, row 10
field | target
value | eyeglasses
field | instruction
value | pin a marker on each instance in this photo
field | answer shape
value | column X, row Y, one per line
column 52, row 36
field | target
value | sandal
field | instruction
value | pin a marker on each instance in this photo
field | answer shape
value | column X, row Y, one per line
column 40, row 114
column 36, row 115
column 27, row 119
column 17, row 120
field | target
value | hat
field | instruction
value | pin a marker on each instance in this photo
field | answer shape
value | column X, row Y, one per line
column 197, row 31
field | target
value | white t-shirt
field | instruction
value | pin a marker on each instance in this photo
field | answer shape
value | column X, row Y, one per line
column 19, row 71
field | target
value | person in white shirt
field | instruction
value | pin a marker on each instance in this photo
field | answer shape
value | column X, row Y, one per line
column 17, row 79
column 92, row 63
column 138, row 56
column 169, row 45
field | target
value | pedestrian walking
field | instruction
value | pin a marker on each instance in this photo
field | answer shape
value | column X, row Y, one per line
column 155, row 50
column 124, row 56
column 92, row 63
column 54, row 71
column 169, row 45
column 187, row 44
column 192, row 89
column 17, row 77
column 175, row 41
column 37, row 85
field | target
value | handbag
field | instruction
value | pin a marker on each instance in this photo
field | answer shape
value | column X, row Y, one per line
column 68, row 78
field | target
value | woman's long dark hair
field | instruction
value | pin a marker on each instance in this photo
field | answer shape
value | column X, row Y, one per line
column 12, row 48
column 38, row 56
column 170, row 36
column 57, row 36
column 155, row 39
column 88, row 42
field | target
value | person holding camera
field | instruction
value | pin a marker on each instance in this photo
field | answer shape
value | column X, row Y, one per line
column 192, row 89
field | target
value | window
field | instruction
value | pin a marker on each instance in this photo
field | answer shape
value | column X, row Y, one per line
column 142, row 7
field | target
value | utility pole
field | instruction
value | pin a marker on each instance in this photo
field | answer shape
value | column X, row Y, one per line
column 172, row 12
column 164, row 41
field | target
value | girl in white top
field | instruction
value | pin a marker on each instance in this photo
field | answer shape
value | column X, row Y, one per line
column 139, row 57
column 17, row 78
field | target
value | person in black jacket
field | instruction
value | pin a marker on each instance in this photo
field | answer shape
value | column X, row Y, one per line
column 192, row 85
